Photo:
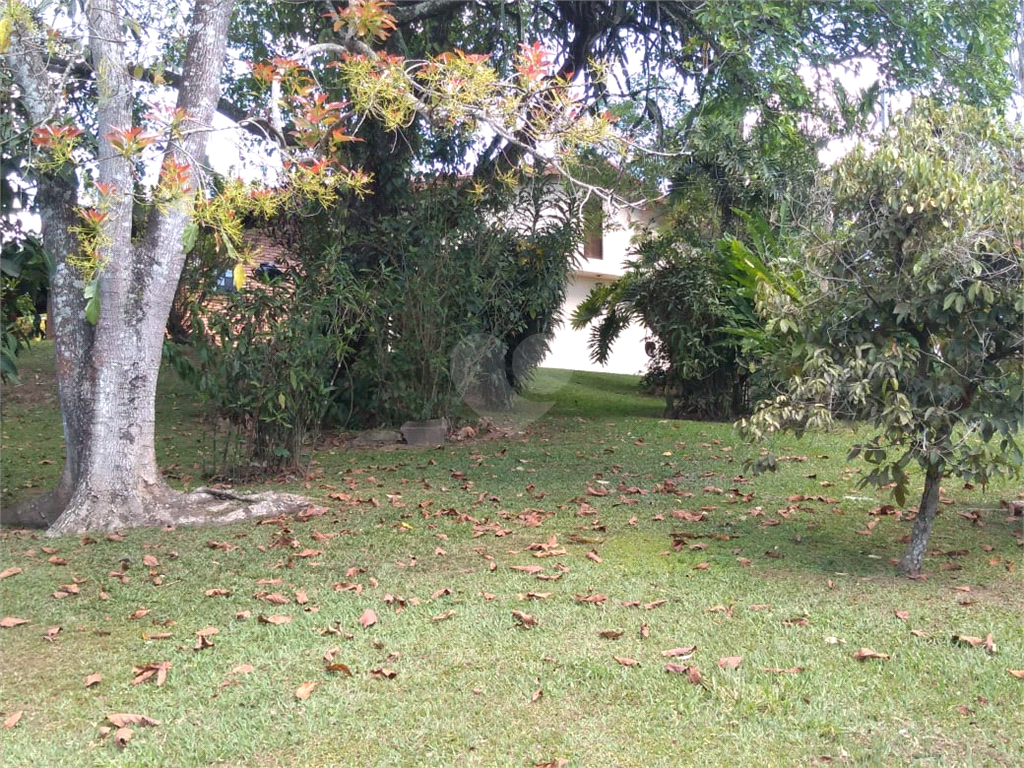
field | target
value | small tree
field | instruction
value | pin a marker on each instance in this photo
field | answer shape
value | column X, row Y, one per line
column 911, row 306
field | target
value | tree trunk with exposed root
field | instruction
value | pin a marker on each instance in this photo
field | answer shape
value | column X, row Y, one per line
column 107, row 371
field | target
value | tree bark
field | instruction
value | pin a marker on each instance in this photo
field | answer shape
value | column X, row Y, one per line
column 107, row 374
column 913, row 558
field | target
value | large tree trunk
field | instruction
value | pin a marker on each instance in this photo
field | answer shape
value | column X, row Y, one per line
column 926, row 511
column 107, row 374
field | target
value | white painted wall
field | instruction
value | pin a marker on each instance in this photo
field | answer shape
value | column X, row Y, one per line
column 569, row 348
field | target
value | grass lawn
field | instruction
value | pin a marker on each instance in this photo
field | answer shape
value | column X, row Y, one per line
column 519, row 596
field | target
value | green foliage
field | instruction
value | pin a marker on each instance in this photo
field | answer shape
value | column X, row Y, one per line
column 692, row 285
column 681, row 296
column 449, row 266
column 268, row 372
column 913, row 294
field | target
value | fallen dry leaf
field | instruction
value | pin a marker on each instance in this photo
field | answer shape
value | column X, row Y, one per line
column 122, row 719
column 744, row 561
column 51, row 633
column 218, row 593
column 730, row 662
column 140, row 613
column 242, row 669
column 692, row 673
column 990, row 644
column 93, row 679
column 12, row 621
column 275, row 598
column 157, row 636
column 443, row 616
column 273, row 619
column 626, row 661
column 645, row 632
column 685, row 652
column 701, row 566
column 558, row 762
column 13, row 718
column 655, row 604
column 147, row 671
column 592, row 555
column 590, row 598
column 904, row 615
column 610, row 634
column 531, row 569
column 339, row 667
column 13, row 571
column 536, row 696
column 301, row 597
column 524, row 618
column 369, row 618
column 1018, row 673
column 150, row 561
column 383, row 673
column 866, row 653
column 303, row 691
column 970, row 640
column 761, row 607
column 122, row 736
column 781, row 671
column 202, row 642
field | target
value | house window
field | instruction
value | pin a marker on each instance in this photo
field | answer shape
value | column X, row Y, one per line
column 593, row 229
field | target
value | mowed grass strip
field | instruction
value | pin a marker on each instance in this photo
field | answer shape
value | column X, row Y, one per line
column 652, row 538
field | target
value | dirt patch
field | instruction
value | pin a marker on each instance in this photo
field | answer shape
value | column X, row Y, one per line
column 37, row 390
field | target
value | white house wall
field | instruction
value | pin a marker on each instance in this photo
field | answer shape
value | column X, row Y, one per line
column 569, row 348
